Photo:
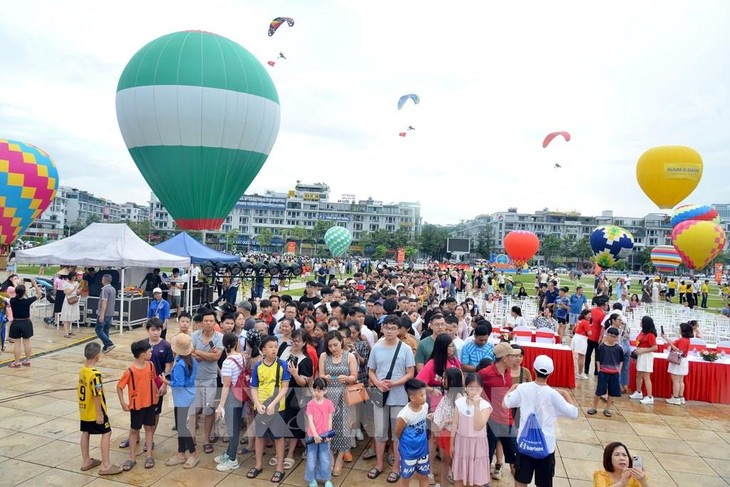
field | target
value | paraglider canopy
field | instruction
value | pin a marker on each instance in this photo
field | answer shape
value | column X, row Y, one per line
column 549, row 138
column 276, row 23
column 403, row 99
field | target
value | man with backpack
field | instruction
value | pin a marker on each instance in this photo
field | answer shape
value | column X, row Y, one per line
column 540, row 406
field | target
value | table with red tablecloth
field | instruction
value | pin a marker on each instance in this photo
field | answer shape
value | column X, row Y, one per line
column 706, row 381
column 562, row 355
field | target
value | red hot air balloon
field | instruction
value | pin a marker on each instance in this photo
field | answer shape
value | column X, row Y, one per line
column 521, row 246
column 549, row 138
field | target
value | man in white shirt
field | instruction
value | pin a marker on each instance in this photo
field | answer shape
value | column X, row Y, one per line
column 548, row 404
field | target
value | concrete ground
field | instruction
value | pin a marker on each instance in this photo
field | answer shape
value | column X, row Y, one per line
column 39, row 439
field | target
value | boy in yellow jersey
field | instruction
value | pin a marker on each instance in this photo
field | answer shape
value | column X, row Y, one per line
column 93, row 413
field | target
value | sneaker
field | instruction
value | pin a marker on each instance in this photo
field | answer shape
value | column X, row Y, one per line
column 227, row 465
column 497, row 474
column 112, row 347
column 328, row 484
column 313, row 483
column 637, row 395
column 359, row 436
column 647, row 400
column 682, row 400
column 14, row 365
column 674, row 400
column 223, row 457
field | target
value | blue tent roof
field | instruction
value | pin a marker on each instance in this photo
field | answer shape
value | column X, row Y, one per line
column 186, row 246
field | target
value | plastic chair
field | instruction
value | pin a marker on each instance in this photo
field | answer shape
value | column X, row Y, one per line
column 544, row 335
column 697, row 343
column 723, row 346
column 522, row 334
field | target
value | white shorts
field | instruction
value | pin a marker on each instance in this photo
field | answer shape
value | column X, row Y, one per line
column 645, row 362
column 679, row 369
column 579, row 344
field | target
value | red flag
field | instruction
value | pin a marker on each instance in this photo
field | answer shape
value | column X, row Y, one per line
column 271, row 63
column 402, row 134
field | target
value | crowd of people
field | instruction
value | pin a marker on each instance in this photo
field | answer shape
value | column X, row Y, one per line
column 389, row 358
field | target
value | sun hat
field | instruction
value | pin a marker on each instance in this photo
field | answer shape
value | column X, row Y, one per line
column 182, row 344
column 503, row 349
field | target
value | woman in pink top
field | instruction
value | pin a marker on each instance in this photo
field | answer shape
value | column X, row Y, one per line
column 443, row 357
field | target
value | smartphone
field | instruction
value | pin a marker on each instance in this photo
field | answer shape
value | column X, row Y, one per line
column 211, row 345
column 662, row 328
column 638, row 463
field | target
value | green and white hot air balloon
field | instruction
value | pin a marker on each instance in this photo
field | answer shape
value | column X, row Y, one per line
column 338, row 240
column 199, row 115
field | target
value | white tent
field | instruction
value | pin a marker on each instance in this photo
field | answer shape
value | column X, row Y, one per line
column 103, row 245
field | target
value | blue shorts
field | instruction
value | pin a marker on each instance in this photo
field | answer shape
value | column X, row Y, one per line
column 608, row 383
column 410, row 466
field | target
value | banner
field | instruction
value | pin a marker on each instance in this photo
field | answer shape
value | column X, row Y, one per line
column 400, row 256
column 718, row 273
column 291, row 247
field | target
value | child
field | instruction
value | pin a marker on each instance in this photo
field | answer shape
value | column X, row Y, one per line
column 680, row 370
column 93, row 413
column 182, row 383
column 469, row 447
column 609, row 360
column 184, row 323
column 443, row 417
column 269, row 386
column 320, row 411
column 139, row 379
column 579, row 343
column 410, row 429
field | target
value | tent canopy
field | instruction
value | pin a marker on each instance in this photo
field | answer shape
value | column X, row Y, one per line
column 102, row 245
column 184, row 245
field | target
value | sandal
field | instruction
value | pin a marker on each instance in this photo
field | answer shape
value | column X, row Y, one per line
column 253, row 473
column 391, row 459
column 243, row 451
column 93, row 464
column 175, row 460
column 369, row 453
column 67, row 335
column 273, row 462
column 192, row 461
column 431, row 479
column 226, row 439
column 277, row 477
column 592, row 411
column 14, row 365
column 128, row 465
column 113, row 470
column 374, row 473
column 607, row 413
column 145, row 447
column 125, row 443
column 212, row 438
column 208, row 448
column 149, row 463
column 392, row 478
column 289, row 463
column 25, row 363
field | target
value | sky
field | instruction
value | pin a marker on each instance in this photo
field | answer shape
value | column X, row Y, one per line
column 493, row 79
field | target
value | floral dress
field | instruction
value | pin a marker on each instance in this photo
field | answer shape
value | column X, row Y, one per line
column 336, row 394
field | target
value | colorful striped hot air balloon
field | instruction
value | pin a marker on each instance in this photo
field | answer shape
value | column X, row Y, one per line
column 28, row 184
column 199, row 115
column 694, row 212
column 665, row 258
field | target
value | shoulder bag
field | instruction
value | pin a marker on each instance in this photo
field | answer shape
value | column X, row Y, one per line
column 378, row 397
column 674, row 357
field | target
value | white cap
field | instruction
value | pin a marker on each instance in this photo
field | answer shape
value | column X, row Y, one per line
column 157, row 290
column 543, row 364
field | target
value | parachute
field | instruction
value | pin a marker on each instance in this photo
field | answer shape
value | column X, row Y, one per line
column 549, row 138
column 403, row 99
column 277, row 22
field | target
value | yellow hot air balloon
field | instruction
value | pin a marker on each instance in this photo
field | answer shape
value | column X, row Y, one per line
column 698, row 242
column 668, row 174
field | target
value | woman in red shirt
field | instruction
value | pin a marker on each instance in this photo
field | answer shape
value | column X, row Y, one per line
column 579, row 343
column 644, row 353
column 678, row 371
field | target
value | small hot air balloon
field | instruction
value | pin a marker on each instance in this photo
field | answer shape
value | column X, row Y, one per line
column 668, row 174
column 28, row 184
column 521, row 246
column 338, row 240
column 665, row 258
column 199, row 115
column 609, row 244
column 698, row 242
column 549, row 138
column 694, row 212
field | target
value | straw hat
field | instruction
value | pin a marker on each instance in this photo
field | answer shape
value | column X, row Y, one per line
column 182, row 344
column 62, row 272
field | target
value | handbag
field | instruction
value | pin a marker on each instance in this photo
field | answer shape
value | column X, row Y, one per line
column 355, row 394
column 674, row 357
column 378, row 397
column 72, row 299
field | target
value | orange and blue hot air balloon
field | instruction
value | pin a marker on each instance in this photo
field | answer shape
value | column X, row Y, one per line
column 28, row 184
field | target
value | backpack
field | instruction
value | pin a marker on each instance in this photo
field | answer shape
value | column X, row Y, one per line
column 531, row 441
column 243, row 383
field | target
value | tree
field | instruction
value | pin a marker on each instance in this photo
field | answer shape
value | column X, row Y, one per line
column 320, row 228
column 231, row 237
column 142, row 229
column 264, row 237
column 583, row 250
column 550, row 247
column 380, row 252
column 432, row 241
column 484, row 242
column 411, row 252
column 298, row 234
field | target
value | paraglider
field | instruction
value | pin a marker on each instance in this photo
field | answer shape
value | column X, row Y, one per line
column 403, row 99
column 698, row 242
column 557, row 166
column 521, row 246
column 694, row 212
column 668, row 174
column 609, row 244
column 549, row 138
column 28, row 184
column 199, row 115
column 338, row 240
column 411, row 127
column 276, row 23
column 665, row 258
column 281, row 56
